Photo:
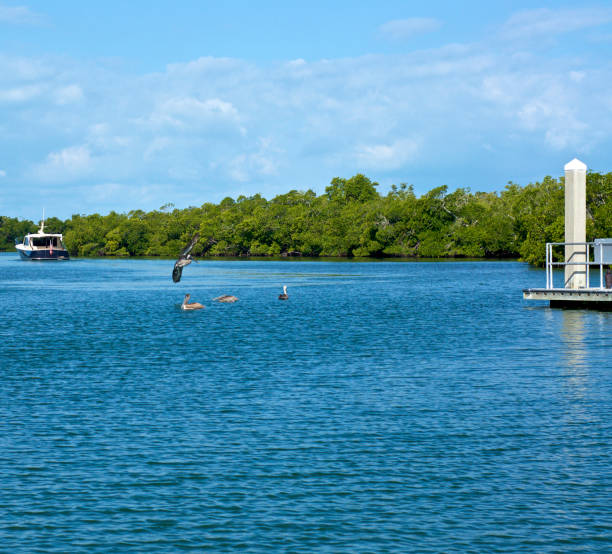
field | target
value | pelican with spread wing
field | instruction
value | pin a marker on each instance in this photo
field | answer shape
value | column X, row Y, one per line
column 184, row 259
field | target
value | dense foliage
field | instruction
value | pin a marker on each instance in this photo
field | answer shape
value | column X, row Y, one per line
column 350, row 219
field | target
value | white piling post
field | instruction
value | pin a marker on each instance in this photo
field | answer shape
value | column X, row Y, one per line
column 575, row 223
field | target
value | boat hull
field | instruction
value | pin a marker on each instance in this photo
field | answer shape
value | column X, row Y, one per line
column 36, row 255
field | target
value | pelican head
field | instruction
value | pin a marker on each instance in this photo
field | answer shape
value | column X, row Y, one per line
column 284, row 295
column 186, row 305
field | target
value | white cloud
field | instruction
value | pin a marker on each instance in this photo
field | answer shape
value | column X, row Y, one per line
column 260, row 163
column 105, row 196
column 387, row 156
column 20, row 94
column 2, row 173
column 216, row 126
column 544, row 21
column 156, row 146
column 19, row 15
column 105, row 192
column 401, row 29
column 102, row 138
column 65, row 165
column 562, row 136
column 68, row 95
column 577, row 76
column 297, row 63
column 23, row 69
column 206, row 119
column 74, row 158
column 187, row 112
column 206, row 66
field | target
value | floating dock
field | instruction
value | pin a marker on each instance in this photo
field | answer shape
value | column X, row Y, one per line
column 576, row 293
column 578, row 256
column 591, row 299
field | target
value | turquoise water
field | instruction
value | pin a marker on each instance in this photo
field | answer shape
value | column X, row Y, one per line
column 386, row 406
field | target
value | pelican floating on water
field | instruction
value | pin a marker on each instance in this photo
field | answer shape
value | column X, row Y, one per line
column 184, row 259
column 186, row 305
column 226, row 298
column 284, row 295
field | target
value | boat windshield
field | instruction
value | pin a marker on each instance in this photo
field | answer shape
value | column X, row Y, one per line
column 46, row 242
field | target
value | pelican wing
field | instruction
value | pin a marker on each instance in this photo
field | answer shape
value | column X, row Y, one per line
column 184, row 259
column 226, row 298
column 177, row 272
column 188, row 248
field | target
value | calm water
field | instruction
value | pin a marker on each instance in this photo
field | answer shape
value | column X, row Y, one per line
column 389, row 406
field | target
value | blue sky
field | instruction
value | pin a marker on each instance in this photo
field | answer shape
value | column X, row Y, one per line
column 130, row 105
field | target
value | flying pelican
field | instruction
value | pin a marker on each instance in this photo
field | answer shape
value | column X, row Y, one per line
column 284, row 296
column 226, row 298
column 184, row 259
column 186, row 305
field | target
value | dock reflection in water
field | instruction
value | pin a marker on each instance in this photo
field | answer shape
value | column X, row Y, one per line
column 573, row 337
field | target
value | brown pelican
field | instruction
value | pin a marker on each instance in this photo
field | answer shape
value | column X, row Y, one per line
column 184, row 259
column 226, row 298
column 186, row 305
column 284, row 296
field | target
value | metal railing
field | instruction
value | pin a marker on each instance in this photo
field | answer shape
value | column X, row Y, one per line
column 587, row 263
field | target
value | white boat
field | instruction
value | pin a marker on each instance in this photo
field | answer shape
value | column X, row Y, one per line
column 42, row 246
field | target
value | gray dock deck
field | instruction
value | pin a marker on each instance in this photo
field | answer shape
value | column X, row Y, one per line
column 594, row 298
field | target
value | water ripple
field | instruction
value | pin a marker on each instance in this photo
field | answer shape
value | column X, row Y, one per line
column 384, row 407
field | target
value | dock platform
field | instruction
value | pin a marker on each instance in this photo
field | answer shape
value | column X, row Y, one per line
column 593, row 298
column 580, row 260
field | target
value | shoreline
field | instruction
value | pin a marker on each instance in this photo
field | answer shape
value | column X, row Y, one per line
column 361, row 259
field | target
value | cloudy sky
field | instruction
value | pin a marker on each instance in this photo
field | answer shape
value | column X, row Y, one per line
column 130, row 105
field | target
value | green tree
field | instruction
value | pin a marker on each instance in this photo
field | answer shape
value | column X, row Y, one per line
column 350, row 219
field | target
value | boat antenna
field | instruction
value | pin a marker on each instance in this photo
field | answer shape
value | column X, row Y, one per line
column 42, row 223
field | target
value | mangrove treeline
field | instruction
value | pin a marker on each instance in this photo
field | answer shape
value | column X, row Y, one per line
column 350, row 219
